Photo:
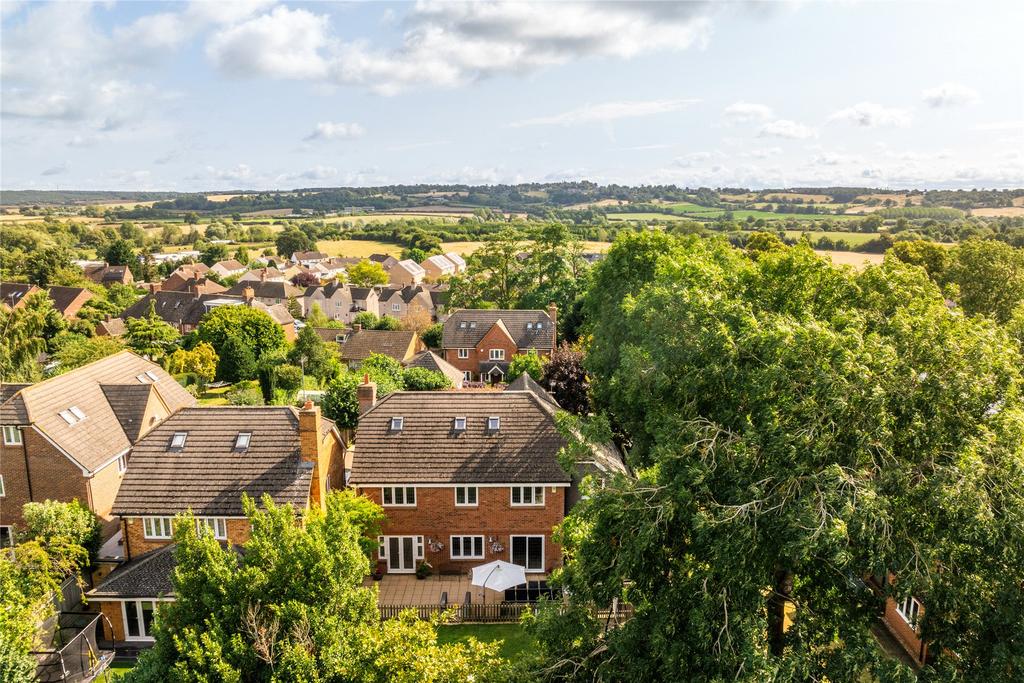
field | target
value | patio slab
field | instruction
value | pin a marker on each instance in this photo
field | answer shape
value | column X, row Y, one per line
column 406, row 589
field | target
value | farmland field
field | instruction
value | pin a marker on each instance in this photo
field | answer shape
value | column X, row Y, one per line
column 852, row 238
column 388, row 217
column 357, row 248
column 850, row 258
column 465, row 248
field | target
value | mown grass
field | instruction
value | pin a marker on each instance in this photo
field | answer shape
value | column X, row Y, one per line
column 215, row 397
column 514, row 640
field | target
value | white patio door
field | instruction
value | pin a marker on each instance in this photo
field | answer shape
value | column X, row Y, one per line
column 403, row 552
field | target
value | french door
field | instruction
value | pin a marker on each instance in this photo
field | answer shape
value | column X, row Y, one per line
column 402, row 553
column 528, row 552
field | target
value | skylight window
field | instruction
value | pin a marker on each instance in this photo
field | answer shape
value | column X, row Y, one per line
column 178, row 440
column 397, row 423
column 68, row 417
column 460, row 424
column 242, row 441
column 77, row 412
column 152, row 375
column 141, row 378
column 493, row 424
column 472, row 325
column 462, row 325
column 529, row 326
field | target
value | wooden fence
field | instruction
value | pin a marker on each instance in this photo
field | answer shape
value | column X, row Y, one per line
column 502, row 612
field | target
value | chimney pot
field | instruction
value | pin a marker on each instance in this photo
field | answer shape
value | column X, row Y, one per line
column 367, row 395
column 308, row 405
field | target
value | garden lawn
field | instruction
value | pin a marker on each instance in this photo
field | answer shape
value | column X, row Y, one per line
column 515, row 639
column 215, row 397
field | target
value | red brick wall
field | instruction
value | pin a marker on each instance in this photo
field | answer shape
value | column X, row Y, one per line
column 238, row 533
column 53, row 476
column 436, row 516
column 494, row 339
column 902, row 631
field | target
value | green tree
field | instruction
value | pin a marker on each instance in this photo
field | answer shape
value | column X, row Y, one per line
column 289, row 377
column 312, row 353
column 253, row 328
column 367, row 273
column 121, row 253
column 70, row 532
column 528, row 362
column 237, row 360
column 385, row 371
column 22, row 338
column 341, row 401
column 565, row 376
column 990, row 277
column 213, row 253
column 191, row 218
column 200, row 362
column 317, row 318
column 50, row 266
column 150, row 337
column 294, row 307
column 367, row 320
column 77, row 351
column 415, row 254
column 498, row 264
column 387, row 322
column 292, row 240
column 422, row 379
column 432, row 336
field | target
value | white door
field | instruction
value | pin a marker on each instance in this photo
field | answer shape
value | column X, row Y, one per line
column 403, row 552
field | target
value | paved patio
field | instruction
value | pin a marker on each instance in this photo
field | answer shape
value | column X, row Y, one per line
column 406, row 589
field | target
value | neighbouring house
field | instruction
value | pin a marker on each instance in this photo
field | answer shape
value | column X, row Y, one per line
column 386, row 261
column 481, row 343
column 464, row 477
column 185, row 310
column 68, row 437
column 12, row 294
column 69, row 300
column 406, row 272
column 184, row 281
column 197, row 269
column 204, row 460
column 401, row 345
column 436, row 267
column 229, row 268
column 108, row 275
column 431, row 361
column 309, row 258
column 333, row 335
column 268, row 274
column 340, row 301
column 337, row 266
column 412, row 305
column 176, row 256
column 457, row 261
column 901, row 621
column 110, row 327
column 268, row 293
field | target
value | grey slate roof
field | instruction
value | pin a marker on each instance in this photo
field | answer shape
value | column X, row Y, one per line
column 174, row 308
column 208, row 475
column 428, row 451
column 432, row 361
column 12, row 407
column 525, row 382
column 465, row 327
column 146, row 576
column 11, row 293
column 63, row 297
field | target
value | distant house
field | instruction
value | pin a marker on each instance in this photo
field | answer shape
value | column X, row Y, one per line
column 333, row 335
column 269, row 293
column 401, row 345
column 429, row 360
column 386, row 261
column 412, row 305
column 185, row 310
column 110, row 327
column 12, row 294
column 108, row 275
column 336, row 266
column 69, row 300
column 175, row 256
column 229, row 268
column 457, row 261
column 340, row 301
column 185, row 281
column 267, row 274
column 68, row 437
column 436, row 267
column 406, row 272
column 203, row 460
column 309, row 258
column 187, row 270
column 481, row 343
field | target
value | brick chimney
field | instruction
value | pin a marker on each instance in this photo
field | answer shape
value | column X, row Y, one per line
column 367, row 394
column 553, row 314
column 310, row 451
column 248, row 294
column 357, row 327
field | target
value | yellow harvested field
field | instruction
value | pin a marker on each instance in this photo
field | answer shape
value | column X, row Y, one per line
column 1018, row 201
column 818, row 198
column 357, row 248
column 900, row 199
column 221, row 197
column 124, row 205
column 18, row 218
column 996, row 212
column 376, row 218
column 602, row 202
column 850, row 258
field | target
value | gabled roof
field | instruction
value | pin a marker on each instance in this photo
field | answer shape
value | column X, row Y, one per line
column 432, row 361
column 459, row 262
column 440, row 262
column 12, row 410
column 393, row 343
column 12, row 293
column 331, row 334
column 410, row 266
column 259, row 274
column 208, row 475
column 112, row 328
column 330, row 290
column 385, row 260
column 146, row 576
column 406, row 294
column 65, row 297
column 525, row 382
column 94, row 440
column 185, row 282
column 172, row 307
column 465, row 327
column 129, row 402
column 230, row 265
column 266, row 290
column 429, row 451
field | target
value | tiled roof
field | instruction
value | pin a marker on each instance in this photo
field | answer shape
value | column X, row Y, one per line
column 441, row 263
column 330, row 334
column 410, row 266
column 113, row 327
column 208, row 475
column 146, row 576
column 64, row 297
column 428, row 451
column 95, row 439
column 266, row 290
column 13, row 292
column 268, row 273
column 230, row 264
column 386, row 260
column 12, row 407
column 394, row 343
column 432, row 361
column 128, row 402
column 467, row 326
column 525, row 382
column 456, row 259
column 406, row 294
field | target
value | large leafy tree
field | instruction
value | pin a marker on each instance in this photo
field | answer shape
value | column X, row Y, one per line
column 292, row 240
column 150, row 336
column 312, row 353
column 565, row 376
column 367, row 273
column 254, row 328
column 22, row 338
column 293, row 607
column 76, row 350
column 529, row 362
column 794, row 428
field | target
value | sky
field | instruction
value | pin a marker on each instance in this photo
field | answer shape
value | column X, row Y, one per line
column 272, row 95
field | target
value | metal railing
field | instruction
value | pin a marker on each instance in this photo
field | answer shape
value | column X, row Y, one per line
column 75, row 655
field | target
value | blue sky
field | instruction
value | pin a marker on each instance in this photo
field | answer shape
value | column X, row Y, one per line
column 264, row 95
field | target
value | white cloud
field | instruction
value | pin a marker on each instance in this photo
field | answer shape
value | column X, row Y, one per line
column 327, row 130
column 282, row 44
column 745, row 112
column 318, row 172
column 58, row 169
column 949, row 95
column 871, row 115
column 1000, row 126
column 608, row 111
column 761, row 152
column 693, row 159
column 241, row 172
column 784, row 128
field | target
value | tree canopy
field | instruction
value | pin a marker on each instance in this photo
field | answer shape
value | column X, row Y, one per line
column 367, row 273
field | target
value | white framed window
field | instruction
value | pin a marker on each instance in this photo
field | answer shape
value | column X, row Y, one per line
column 527, row 551
column 12, row 436
column 497, row 354
column 529, row 326
column 218, row 525
column 77, row 412
column 459, row 424
column 493, row 423
column 472, row 324
column 396, row 308
column 3, row 491
column 527, row 495
column 157, row 527
column 463, row 353
column 467, row 547
column 467, row 376
column 6, row 536
column 122, row 464
column 242, row 441
column 910, row 610
column 397, row 423
column 466, row 496
column 72, row 415
column 398, row 496
column 178, row 440
column 138, row 618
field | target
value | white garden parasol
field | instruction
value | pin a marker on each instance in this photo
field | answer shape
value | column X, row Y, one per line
column 498, row 576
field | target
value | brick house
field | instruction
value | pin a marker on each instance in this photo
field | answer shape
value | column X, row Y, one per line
column 229, row 268
column 340, row 301
column 412, row 305
column 203, row 460
column 406, row 272
column 267, row 274
column 68, row 437
column 901, row 621
column 481, row 343
column 68, row 300
column 464, row 478
column 309, row 258
column 401, row 345
column 268, row 293
column 185, row 310
column 107, row 275
column 12, row 294
column 436, row 267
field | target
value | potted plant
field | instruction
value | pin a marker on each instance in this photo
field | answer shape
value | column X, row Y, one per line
column 378, row 572
column 423, row 570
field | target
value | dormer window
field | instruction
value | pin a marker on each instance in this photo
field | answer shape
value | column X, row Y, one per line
column 242, row 441
column 459, row 424
column 397, row 423
column 178, row 440
column 493, row 424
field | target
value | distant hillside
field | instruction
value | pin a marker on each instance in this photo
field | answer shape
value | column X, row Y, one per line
column 64, row 197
